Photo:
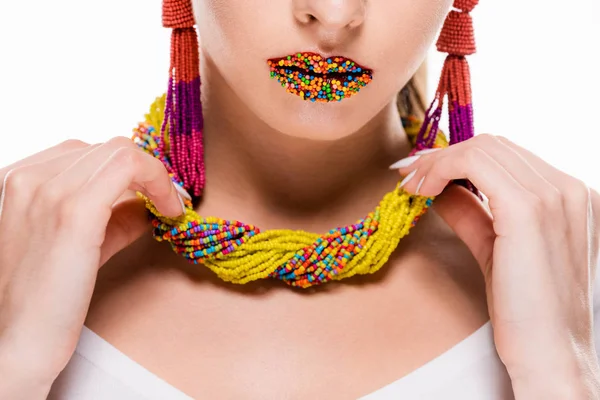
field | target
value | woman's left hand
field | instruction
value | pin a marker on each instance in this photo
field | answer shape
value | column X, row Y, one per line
column 537, row 250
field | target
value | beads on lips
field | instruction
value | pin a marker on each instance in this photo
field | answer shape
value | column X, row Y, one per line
column 318, row 79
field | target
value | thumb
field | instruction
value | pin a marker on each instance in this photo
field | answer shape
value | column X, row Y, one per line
column 470, row 220
column 129, row 220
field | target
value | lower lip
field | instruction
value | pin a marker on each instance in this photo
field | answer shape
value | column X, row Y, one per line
column 295, row 75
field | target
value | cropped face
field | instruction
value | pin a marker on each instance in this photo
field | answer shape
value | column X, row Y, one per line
column 318, row 69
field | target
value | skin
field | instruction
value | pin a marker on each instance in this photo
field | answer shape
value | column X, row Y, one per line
column 264, row 147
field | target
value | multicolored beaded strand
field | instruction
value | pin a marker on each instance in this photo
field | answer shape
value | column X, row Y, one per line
column 241, row 253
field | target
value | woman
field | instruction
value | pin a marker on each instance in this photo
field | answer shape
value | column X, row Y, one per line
column 475, row 303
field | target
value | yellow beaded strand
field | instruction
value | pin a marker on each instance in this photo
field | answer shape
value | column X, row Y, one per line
column 262, row 254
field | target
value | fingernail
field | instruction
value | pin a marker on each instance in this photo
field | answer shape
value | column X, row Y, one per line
column 181, row 191
column 419, row 185
column 405, row 162
column 183, row 210
column 408, row 178
column 427, row 151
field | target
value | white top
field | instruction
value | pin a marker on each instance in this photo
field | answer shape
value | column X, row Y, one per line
column 471, row 370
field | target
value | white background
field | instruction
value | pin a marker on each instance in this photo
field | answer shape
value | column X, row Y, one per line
column 88, row 70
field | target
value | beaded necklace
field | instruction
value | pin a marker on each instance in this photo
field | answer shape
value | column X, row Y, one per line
column 240, row 253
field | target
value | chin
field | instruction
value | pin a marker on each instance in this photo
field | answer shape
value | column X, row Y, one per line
column 325, row 122
column 316, row 121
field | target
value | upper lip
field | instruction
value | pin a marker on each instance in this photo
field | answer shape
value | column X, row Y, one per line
column 317, row 64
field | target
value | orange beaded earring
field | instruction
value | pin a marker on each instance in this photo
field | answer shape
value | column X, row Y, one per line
column 458, row 40
column 183, row 111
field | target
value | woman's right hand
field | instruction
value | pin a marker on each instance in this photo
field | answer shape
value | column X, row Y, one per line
column 60, row 220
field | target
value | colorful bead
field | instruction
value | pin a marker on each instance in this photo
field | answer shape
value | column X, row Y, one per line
column 313, row 78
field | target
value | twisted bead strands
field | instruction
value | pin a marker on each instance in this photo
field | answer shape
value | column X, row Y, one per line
column 240, row 253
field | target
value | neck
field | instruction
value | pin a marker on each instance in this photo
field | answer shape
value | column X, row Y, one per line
column 263, row 177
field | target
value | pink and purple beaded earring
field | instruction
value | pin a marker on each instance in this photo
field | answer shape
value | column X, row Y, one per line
column 183, row 111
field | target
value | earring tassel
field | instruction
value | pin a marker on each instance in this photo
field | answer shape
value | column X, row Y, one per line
column 183, row 111
column 458, row 40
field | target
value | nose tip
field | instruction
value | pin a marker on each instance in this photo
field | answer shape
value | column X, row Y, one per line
column 330, row 14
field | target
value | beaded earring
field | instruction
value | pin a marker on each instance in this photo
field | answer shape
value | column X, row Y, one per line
column 458, row 40
column 183, row 121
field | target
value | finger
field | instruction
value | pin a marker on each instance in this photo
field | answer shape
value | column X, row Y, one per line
column 562, row 181
column 459, row 162
column 128, row 156
column 64, row 148
column 594, row 208
column 128, row 221
column 45, row 155
column 509, row 201
column 508, row 159
column 26, row 178
column 573, row 192
column 471, row 222
column 593, row 230
column 122, row 169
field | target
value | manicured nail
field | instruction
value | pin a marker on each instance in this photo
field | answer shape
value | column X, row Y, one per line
column 419, row 185
column 181, row 191
column 183, row 210
column 408, row 178
column 405, row 162
column 427, row 151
